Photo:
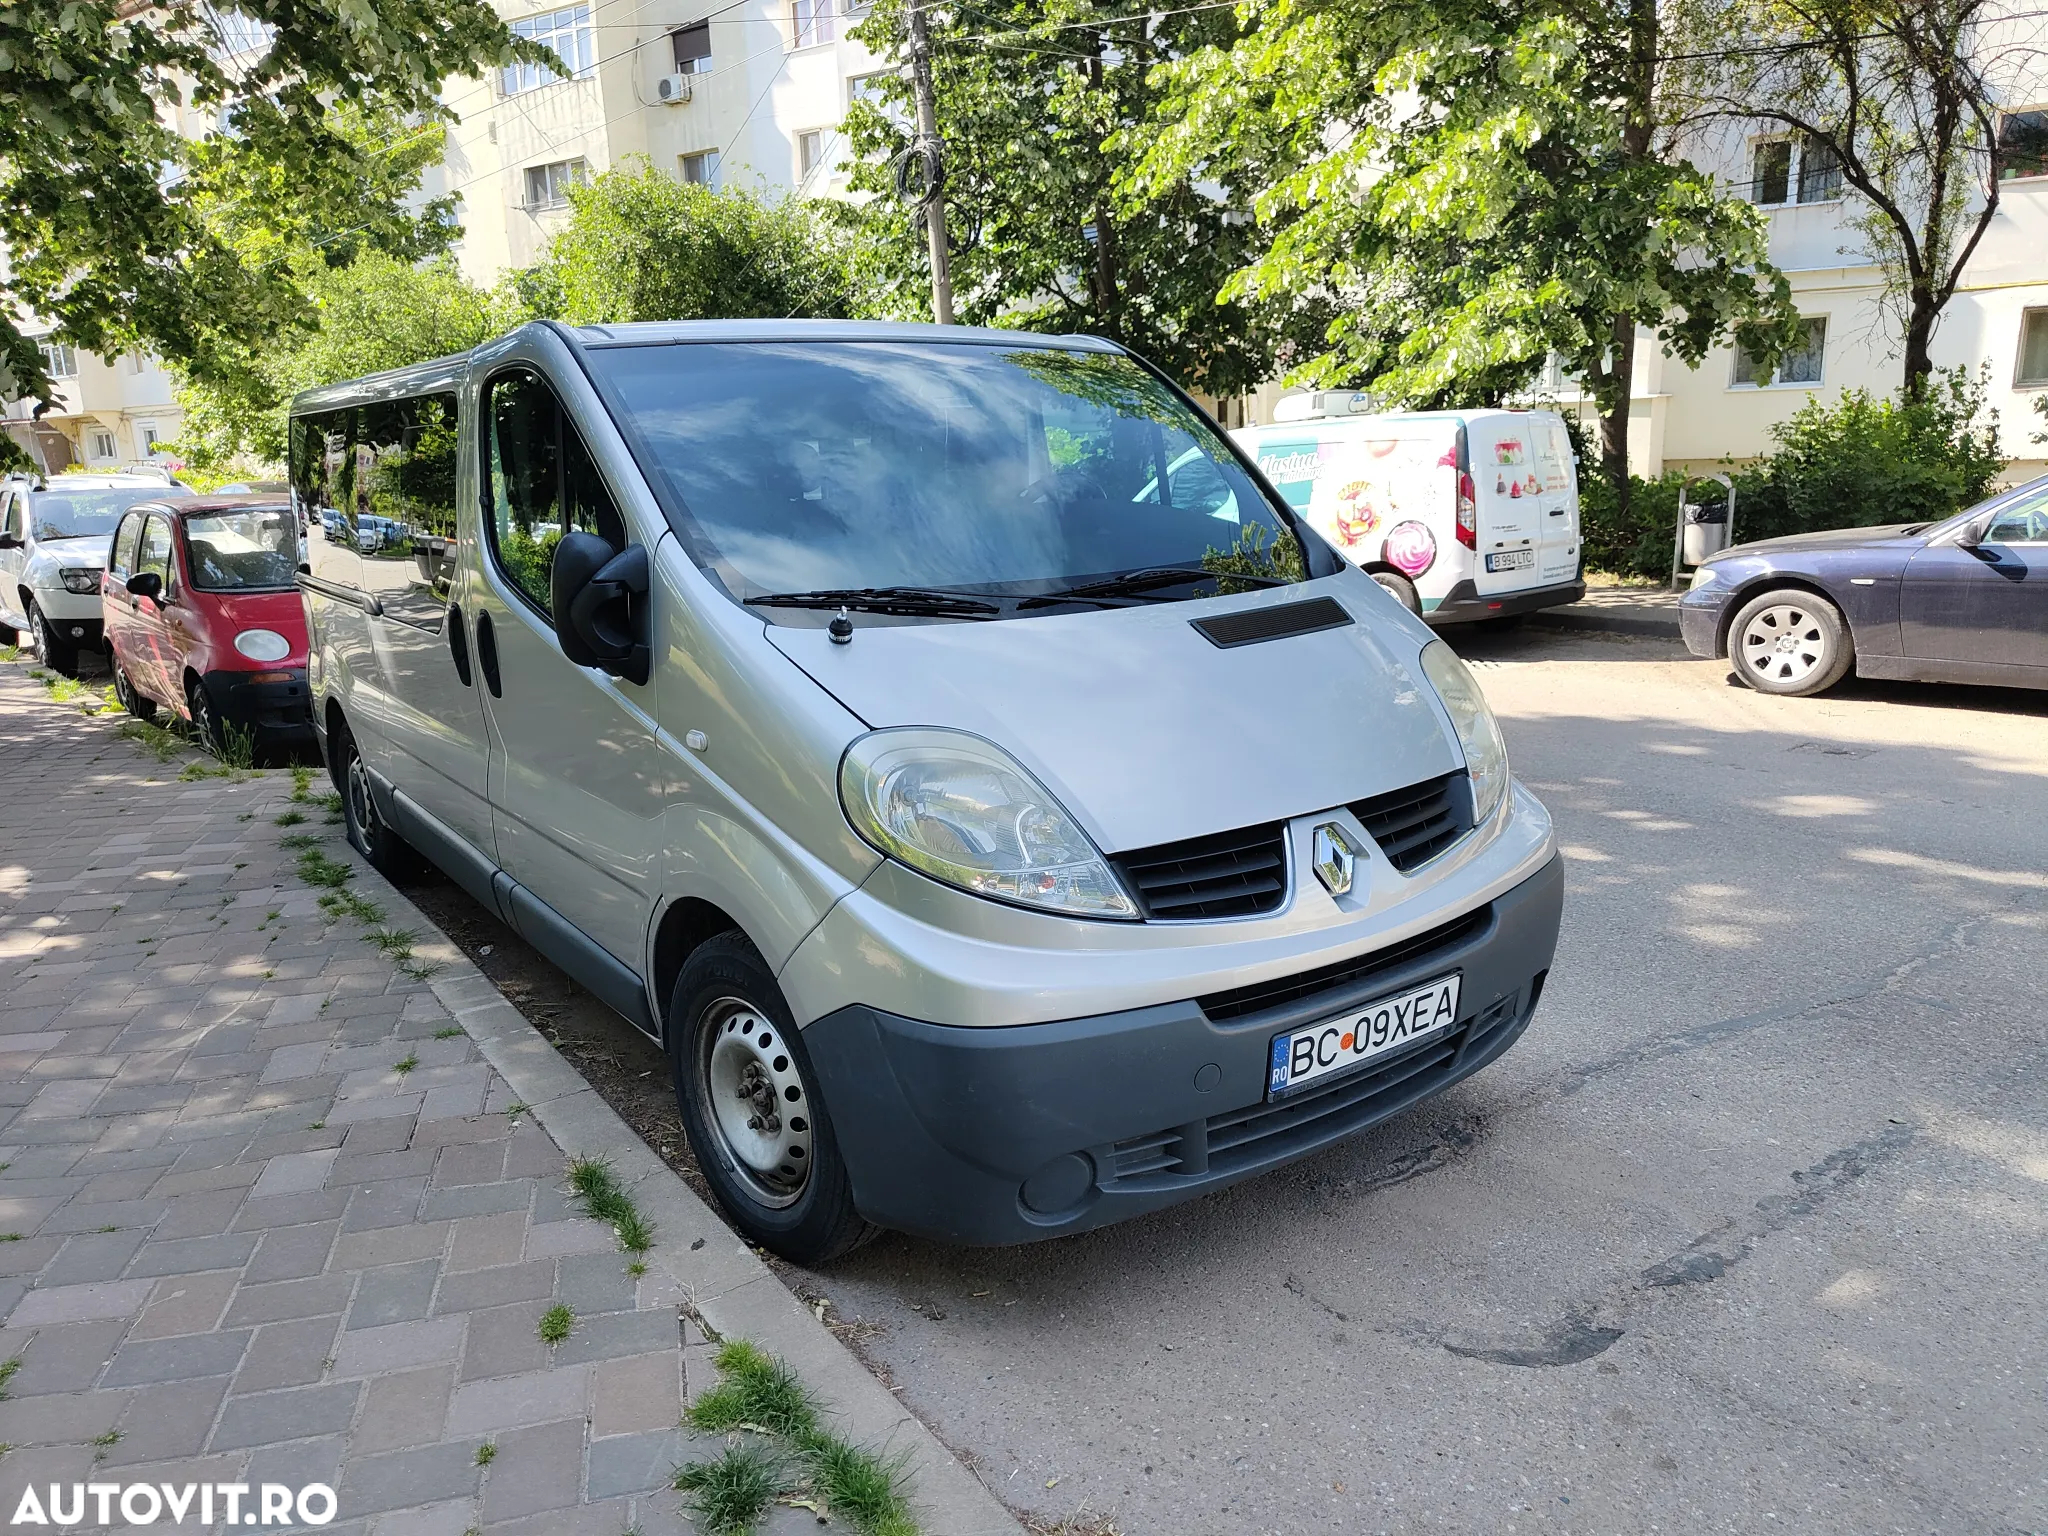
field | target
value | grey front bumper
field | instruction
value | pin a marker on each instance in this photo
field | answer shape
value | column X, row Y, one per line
column 1013, row 1134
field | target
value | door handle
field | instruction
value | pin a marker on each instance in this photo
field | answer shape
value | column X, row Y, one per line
column 487, row 654
column 458, row 643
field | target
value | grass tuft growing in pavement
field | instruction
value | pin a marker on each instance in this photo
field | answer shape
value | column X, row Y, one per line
column 402, row 1067
column 392, row 941
column 555, row 1324
column 728, row 1495
column 289, row 818
column 758, row 1394
column 315, row 868
column 153, row 738
column 605, row 1199
column 449, row 1033
column 299, row 840
column 7, row 1370
column 487, row 1453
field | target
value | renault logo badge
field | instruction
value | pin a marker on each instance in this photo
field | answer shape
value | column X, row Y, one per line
column 1334, row 858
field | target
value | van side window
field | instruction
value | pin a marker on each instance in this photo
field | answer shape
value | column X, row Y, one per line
column 322, row 482
column 126, row 538
column 541, row 483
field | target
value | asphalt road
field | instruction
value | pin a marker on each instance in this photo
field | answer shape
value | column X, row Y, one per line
column 1747, row 1234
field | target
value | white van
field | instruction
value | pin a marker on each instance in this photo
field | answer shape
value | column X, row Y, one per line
column 1010, row 817
column 1460, row 514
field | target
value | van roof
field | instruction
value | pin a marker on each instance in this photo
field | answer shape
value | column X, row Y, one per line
column 445, row 372
column 1367, row 419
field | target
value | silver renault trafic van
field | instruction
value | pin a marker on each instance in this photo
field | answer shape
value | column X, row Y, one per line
column 1009, row 815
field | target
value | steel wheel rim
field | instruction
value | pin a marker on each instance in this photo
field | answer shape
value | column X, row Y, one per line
column 1784, row 643
column 45, row 641
column 202, row 717
column 755, row 1101
column 360, row 805
column 123, row 691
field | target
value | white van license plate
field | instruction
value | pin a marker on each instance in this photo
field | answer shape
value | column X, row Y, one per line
column 1304, row 1056
column 1511, row 560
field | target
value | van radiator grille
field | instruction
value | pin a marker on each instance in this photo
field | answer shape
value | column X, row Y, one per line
column 1227, row 874
column 1240, row 1001
column 1414, row 825
column 1243, row 1138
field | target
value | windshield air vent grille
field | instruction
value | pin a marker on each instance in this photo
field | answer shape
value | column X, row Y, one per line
column 1227, row 874
column 1250, row 626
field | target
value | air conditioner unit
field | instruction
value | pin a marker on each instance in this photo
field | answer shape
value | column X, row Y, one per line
column 673, row 90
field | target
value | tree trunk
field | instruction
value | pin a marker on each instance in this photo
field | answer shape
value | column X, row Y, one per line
column 1613, row 393
column 1919, row 349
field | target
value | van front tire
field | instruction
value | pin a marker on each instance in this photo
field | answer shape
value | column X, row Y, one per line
column 371, row 836
column 748, row 1096
column 1402, row 588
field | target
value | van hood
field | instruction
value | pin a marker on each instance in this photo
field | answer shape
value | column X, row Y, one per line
column 1146, row 731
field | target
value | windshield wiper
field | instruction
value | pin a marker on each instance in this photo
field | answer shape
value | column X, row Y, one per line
column 924, row 602
column 1141, row 583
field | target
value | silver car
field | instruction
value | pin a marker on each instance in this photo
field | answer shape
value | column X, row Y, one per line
column 1005, row 830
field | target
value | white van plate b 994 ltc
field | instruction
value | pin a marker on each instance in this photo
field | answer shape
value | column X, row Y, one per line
column 1305, row 1056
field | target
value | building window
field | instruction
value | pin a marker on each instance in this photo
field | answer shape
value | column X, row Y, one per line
column 700, row 169
column 146, row 437
column 1800, row 363
column 2032, row 372
column 812, row 22
column 547, row 186
column 134, row 362
column 236, row 34
column 1771, row 172
column 810, row 152
column 60, row 359
column 692, row 49
column 572, row 37
column 1820, row 172
column 102, row 444
column 2023, row 144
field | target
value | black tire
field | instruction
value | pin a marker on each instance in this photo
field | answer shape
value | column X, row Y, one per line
column 9, row 635
column 53, row 652
column 1402, row 588
column 138, row 704
column 802, row 1206
column 1790, row 642
column 205, row 718
column 373, row 837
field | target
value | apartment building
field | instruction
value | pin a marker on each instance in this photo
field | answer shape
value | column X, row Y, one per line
column 746, row 93
column 108, row 413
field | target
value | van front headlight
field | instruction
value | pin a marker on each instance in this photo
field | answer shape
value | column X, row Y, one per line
column 962, row 810
column 1486, row 754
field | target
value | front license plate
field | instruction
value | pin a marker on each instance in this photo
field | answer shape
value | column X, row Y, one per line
column 1511, row 560
column 1304, row 1056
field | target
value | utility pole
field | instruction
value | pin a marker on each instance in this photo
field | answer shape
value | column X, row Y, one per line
column 931, row 149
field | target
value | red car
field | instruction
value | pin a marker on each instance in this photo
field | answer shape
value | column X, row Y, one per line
column 203, row 617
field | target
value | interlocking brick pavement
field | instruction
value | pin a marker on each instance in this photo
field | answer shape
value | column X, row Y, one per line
column 239, row 1245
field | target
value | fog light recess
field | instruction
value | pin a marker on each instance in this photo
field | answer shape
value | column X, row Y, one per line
column 1060, row 1185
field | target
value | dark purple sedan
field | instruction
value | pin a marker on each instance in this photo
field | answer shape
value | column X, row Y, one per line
column 1960, row 601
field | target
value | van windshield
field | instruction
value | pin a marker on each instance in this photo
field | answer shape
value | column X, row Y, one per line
column 810, row 467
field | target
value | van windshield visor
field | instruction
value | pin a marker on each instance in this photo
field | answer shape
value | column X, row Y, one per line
column 984, row 470
column 253, row 549
column 83, row 512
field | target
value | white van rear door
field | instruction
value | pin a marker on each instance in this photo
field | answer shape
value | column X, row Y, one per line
column 1557, row 546
column 1527, row 508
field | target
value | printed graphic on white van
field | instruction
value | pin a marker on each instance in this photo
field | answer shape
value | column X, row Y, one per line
column 1292, row 466
column 1372, row 487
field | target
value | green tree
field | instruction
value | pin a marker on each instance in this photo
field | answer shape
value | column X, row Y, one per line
column 642, row 245
column 125, row 232
column 1038, row 103
column 379, row 311
column 1476, row 184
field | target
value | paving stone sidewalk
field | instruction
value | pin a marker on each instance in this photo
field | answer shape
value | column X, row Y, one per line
column 237, row 1243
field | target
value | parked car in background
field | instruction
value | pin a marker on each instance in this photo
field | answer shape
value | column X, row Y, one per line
column 1462, row 515
column 1010, row 816
column 53, row 546
column 1964, row 600
column 203, row 618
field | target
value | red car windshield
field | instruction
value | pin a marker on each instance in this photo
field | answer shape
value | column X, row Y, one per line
column 248, row 549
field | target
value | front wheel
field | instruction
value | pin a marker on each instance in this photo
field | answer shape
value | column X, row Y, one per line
column 373, row 837
column 1790, row 642
column 748, row 1096
column 138, row 704
column 55, row 654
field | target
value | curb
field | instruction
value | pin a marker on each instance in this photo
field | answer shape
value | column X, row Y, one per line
column 698, row 1260
column 1638, row 619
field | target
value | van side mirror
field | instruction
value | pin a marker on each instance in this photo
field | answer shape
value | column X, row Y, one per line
column 146, row 584
column 599, row 600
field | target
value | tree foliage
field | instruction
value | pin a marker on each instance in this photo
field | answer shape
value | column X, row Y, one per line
column 125, row 231
column 1039, row 103
column 642, row 245
column 1904, row 95
column 1476, row 184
